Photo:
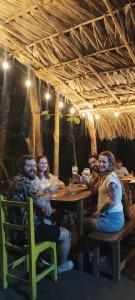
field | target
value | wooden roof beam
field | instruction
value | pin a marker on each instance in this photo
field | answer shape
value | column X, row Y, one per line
column 19, row 14
column 37, row 62
column 96, row 19
column 109, row 108
column 87, row 74
column 89, row 55
column 104, row 84
column 119, row 30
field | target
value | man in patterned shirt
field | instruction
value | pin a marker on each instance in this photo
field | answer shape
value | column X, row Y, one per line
column 21, row 188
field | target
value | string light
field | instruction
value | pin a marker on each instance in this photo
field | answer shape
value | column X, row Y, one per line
column 47, row 96
column 116, row 114
column 61, row 104
column 83, row 114
column 28, row 83
column 97, row 117
column 5, row 65
column 90, row 117
column 72, row 110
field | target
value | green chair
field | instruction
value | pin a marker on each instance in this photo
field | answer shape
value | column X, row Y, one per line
column 30, row 252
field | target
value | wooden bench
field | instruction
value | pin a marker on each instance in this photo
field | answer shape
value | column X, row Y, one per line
column 114, row 240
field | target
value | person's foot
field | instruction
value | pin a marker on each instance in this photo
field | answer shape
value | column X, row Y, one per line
column 69, row 265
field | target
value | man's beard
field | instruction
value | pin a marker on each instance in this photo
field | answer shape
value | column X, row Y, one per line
column 30, row 175
column 95, row 169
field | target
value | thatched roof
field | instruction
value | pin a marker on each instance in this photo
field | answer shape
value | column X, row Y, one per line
column 84, row 48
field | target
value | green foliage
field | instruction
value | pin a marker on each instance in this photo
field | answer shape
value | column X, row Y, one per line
column 75, row 118
column 45, row 114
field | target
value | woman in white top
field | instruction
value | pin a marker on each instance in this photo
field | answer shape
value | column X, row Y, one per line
column 46, row 180
column 109, row 216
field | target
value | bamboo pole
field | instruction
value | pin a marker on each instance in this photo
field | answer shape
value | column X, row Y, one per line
column 92, row 133
column 5, row 105
column 56, row 137
column 34, row 141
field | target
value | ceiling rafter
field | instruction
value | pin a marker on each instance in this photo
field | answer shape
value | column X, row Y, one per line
column 71, row 91
column 90, row 55
column 19, row 14
column 119, row 30
column 96, row 19
column 87, row 74
column 104, row 84
column 112, row 108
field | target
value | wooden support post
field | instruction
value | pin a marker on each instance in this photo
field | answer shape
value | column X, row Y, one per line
column 92, row 133
column 34, row 141
column 56, row 137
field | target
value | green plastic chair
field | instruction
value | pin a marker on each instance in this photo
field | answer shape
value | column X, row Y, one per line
column 30, row 252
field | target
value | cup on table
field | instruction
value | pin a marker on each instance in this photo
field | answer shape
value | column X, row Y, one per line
column 86, row 172
column 74, row 170
column 71, row 181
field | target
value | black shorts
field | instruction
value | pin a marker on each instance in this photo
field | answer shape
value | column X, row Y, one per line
column 45, row 232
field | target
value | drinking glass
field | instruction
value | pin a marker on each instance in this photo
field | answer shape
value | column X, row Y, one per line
column 74, row 170
column 86, row 172
column 71, row 181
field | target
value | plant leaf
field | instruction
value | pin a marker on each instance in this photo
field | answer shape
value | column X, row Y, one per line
column 45, row 113
column 76, row 120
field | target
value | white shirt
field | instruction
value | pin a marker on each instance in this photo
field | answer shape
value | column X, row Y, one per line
column 103, row 196
column 122, row 172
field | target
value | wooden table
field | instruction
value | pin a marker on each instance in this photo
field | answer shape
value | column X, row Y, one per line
column 129, row 184
column 74, row 194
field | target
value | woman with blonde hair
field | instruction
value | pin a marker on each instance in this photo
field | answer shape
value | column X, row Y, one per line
column 109, row 216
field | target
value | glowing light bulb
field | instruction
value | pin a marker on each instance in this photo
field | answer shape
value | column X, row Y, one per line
column 116, row 114
column 61, row 104
column 5, row 65
column 90, row 117
column 97, row 117
column 28, row 83
column 83, row 114
column 72, row 110
column 47, row 96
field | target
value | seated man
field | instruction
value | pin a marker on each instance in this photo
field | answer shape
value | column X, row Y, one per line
column 120, row 170
column 20, row 189
column 92, row 180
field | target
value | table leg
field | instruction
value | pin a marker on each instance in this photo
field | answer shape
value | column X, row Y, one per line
column 80, row 230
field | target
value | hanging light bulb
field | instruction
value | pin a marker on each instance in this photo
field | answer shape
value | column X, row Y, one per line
column 5, row 65
column 116, row 114
column 72, row 110
column 28, row 83
column 47, row 96
column 90, row 117
column 83, row 114
column 97, row 117
column 61, row 104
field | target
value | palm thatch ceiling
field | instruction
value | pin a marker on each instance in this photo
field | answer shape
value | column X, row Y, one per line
column 84, row 48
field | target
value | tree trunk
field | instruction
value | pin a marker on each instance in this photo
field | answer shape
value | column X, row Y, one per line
column 34, row 141
column 56, row 137
column 5, row 104
column 92, row 133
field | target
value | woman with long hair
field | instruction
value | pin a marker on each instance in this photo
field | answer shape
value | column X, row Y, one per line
column 109, row 216
column 46, row 179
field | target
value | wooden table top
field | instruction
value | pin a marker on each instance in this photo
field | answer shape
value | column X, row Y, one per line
column 127, row 179
column 72, row 194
